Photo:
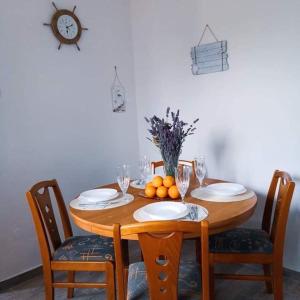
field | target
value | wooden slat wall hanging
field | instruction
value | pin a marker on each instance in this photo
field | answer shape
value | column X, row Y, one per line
column 211, row 57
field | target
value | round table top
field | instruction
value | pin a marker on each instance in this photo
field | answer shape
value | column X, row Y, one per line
column 221, row 215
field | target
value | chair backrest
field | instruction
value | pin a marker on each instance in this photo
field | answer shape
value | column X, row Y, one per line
column 277, row 208
column 39, row 200
column 160, row 163
column 161, row 244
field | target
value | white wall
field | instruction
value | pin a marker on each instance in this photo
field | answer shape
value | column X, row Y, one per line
column 56, row 119
column 249, row 115
column 55, row 108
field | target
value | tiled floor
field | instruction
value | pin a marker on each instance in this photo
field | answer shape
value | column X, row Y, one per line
column 225, row 290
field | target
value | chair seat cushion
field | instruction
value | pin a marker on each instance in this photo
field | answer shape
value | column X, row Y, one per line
column 85, row 248
column 241, row 240
column 189, row 281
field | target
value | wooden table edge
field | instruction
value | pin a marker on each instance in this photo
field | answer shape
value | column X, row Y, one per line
column 106, row 230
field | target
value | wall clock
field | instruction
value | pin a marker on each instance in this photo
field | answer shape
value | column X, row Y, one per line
column 66, row 26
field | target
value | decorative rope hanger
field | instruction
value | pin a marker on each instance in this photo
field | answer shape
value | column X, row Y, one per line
column 207, row 27
column 116, row 79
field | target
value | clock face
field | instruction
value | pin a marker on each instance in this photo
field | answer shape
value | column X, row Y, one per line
column 67, row 27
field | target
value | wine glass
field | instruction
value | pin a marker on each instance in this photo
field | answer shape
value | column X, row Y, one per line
column 123, row 178
column 145, row 168
column 200, row 169
column 182, row 178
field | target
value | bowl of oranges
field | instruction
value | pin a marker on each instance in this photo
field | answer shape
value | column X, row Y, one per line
column 162, row 187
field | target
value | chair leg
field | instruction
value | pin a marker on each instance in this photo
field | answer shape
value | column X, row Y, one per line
column 278, row 280
column 49, row 291
column 48, row 281
column 267, row 272
column 110, row 279
column 211, row 282
column 125, row 281
column 71, row 278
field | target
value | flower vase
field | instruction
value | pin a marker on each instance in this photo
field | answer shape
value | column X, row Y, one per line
column 170, row 165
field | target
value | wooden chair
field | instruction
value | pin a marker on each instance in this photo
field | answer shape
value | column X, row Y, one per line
column 76, row 253
column 162, row 275
column 160, row 163
column 259, row 246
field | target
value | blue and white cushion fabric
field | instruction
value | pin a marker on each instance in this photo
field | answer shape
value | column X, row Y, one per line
column 241, row 240
column 189, row 281
column 85, row 248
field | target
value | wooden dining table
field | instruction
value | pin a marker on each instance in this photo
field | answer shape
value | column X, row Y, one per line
column 222, row 216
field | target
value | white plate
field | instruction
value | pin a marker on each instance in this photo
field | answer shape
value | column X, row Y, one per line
column 98, row 195
column 226, row 189
column 140, row 216
column 203, row 194
column 166, row 210
column 135, row 184
column 119, row 201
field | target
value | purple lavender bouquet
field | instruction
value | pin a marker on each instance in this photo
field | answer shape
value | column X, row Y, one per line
column 168, row 136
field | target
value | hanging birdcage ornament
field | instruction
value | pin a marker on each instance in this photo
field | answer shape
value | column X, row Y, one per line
column 118, row 94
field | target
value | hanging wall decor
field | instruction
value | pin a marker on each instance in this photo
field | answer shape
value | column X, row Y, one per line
column 211, row 57
column 66, row 26
column 118, row 94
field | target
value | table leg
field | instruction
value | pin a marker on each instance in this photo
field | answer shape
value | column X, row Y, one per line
column 125, row 253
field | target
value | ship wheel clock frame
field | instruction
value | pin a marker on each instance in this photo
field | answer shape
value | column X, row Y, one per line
column 66, row 27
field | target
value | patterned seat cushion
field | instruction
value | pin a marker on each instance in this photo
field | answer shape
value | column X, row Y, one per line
column 189, row 281
column 241, row 240
column 87, row 248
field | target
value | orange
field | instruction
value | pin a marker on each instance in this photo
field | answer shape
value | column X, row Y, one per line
column 150, row 191
column 173, row 192
column 157, row 181
column 149, row 184
column 162, row 192
column 168, row 181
